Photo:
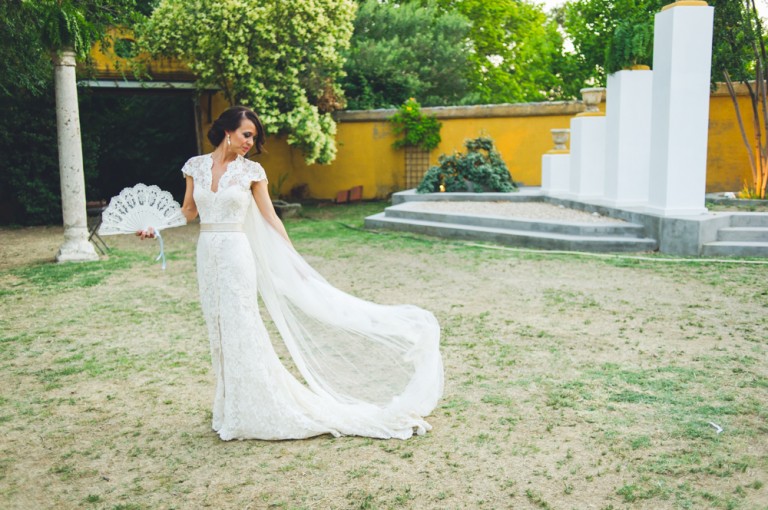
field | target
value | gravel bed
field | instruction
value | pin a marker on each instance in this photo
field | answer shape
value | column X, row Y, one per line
column 529, row 210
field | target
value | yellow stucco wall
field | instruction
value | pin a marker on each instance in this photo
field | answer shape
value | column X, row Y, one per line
column 521, row 133
column 366, row 157
column 727, row 157
column 107, row 65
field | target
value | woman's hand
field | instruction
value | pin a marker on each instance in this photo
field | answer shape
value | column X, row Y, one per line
column 148, row 233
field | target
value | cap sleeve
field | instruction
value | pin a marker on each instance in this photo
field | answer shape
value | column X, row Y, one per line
column 254, row 172
column 188, row 169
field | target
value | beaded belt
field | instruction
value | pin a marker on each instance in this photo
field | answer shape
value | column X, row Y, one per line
column 221, row 227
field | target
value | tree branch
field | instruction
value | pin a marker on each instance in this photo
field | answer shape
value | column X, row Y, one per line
column 744, row 137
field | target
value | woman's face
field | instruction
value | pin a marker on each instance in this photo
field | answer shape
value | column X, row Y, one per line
column 241, row 140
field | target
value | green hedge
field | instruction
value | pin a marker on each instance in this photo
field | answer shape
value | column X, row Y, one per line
column 126, row 139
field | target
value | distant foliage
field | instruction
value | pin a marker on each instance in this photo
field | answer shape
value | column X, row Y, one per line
column 415, row 128
column 281, row 58
column 24, row 65
column 628, row 26
column 736, row 40
column 516, row 51
column 406, row 50
column 29, row 170
column 480, row 169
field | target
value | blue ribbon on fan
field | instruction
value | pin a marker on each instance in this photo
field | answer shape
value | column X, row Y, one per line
column 161, row 256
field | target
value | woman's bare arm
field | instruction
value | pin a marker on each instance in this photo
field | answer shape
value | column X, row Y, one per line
column 189, row 207
column 267, row 210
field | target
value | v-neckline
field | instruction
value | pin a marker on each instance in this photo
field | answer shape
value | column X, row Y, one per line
column 210, row 171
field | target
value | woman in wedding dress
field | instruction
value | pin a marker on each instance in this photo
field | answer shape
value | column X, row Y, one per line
column 368, row 370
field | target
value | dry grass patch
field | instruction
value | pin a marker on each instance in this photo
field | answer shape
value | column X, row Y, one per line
column 570, row 382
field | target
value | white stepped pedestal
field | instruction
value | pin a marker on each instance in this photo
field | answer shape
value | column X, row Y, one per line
column 628, row 137
column 587, row 180
column 682, row 57
column 555, row 172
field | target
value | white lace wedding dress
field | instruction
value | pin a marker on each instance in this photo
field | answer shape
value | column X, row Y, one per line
column 367, row 369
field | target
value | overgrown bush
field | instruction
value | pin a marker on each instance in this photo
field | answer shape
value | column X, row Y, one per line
column 417, row 129
column 29, row 171
column 632, row 43
column 480, row 169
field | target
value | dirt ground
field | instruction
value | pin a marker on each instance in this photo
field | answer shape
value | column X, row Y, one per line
column 571, row 383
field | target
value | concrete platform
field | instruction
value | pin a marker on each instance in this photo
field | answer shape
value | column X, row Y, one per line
column 721, row 234
column 745, row 236
column 550, row 238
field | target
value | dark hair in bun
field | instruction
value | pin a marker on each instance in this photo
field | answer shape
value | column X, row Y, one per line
column 230, row 120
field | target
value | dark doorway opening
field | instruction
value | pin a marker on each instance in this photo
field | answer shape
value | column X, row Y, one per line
column 136, row 136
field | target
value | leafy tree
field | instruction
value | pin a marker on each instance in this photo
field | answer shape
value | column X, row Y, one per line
column 75, row 24
column 515, row 51
column 31, row 29
column 741, row 52
column 24, row 66
column 281, row 58
column 610, row 34
column 735, row 40
column 406, row 50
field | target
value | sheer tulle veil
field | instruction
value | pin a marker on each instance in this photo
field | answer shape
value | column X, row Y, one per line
column 380, row 364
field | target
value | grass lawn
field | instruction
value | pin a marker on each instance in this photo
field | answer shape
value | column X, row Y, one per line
column 572, row 382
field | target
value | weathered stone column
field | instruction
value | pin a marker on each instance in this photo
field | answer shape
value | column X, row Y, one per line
column 628, row 143
column 76, row 246
column 682, row 58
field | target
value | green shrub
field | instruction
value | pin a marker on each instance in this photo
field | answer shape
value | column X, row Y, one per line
column 632, row 44
column 29, row 171
column 417, row 129
column 480, row 169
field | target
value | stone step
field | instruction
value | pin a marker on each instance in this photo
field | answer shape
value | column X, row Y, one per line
column 611, row 229
column 743, row 234
column 511, row 237
column 749, row 220
column 523, row 195
column 735, row 249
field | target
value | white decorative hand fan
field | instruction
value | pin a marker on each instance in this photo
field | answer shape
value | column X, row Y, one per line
column 139, row 208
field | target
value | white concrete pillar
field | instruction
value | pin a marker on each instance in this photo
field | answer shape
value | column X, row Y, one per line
column 76, row 246
column 556, row 173
column 555, row 165
column 587, row 179
column 682, row 58
column 628, row 137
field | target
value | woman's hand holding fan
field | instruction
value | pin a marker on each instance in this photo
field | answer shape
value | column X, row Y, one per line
column 144, row 211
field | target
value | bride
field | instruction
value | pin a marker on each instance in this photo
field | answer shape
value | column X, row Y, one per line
column 367, row 369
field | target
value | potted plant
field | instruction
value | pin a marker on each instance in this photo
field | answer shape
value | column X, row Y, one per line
column 631, row 47
column 419, row 134
column 630, row 87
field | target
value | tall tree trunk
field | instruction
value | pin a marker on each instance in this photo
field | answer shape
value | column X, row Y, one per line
column 76, row 246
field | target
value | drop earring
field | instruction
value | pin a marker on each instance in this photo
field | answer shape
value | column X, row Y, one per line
column 229, row 142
